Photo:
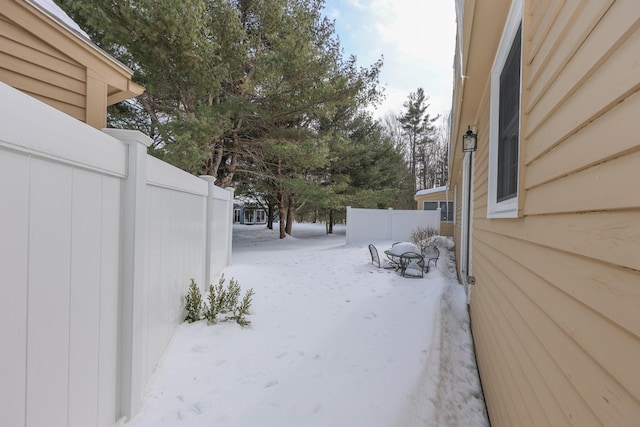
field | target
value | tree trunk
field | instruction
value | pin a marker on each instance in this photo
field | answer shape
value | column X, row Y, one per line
column 270, row 212
column 331, row 219
column 282, row 212
column 290, row 215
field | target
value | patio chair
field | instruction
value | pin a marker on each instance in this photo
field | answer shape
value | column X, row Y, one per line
column 376, row 261
column 430, row 254
column 412, row 264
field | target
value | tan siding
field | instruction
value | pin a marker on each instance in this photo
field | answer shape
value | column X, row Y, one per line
column 572, row 25
column 520, row 314
column 446, row 228
column 44, row 89
column 608, row 289
column 609, row 136
column 614, row 348
column 42, row 74
column 556, row 306
column 578, row 341
column 612, row 237
column 610, row 185
column 26, row 55
column 604, row 69
column 541, row 22
column 11, row 31
column 44, row 59
column 20, row 44
column 40, row 70
column 512, row 329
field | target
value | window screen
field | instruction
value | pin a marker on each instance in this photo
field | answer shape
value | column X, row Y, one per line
column 509, row 123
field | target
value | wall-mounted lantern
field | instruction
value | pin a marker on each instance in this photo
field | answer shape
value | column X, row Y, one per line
column 469, row 140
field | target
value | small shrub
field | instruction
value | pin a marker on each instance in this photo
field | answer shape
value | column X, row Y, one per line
column 423, row 237
column 243, row 309
column 212, row 308
column 193, row 303
column 232, row 295
column 222, row 303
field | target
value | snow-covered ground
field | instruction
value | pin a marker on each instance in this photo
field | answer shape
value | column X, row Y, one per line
column 333, row 342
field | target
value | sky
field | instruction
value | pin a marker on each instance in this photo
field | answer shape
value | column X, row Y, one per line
column 333, row 341
column 416, row 39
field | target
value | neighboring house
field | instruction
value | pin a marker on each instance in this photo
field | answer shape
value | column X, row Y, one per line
column 248, row 214
column 434, row 198
column 46, row 55
column 548, row 207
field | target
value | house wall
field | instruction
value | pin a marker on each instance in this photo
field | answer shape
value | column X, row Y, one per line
column 99, row 243
column 44, row 59
column 555, row 309
column 40, row 70
column 446, row 227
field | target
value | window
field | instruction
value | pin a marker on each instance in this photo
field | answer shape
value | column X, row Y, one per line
column 236, row 216
column 446, row 209
column 504, row 144
column 254, row 216
column 509, row 123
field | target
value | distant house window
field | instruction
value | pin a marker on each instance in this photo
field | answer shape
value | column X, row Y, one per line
column 254, row 216
column 236, row 216
column 504, row 138
column 446, row 209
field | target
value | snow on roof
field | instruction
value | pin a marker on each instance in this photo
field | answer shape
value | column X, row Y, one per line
column 431, row 190
column 53, row 10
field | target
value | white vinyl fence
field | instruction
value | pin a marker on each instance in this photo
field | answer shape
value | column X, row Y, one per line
column 370, row 225
column 98, row 243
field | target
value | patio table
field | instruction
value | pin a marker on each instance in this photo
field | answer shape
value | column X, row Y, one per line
column 399, row 249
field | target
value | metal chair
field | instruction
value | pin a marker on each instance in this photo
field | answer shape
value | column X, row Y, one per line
column 430, row 253
column 411, row 263
column 375, row 259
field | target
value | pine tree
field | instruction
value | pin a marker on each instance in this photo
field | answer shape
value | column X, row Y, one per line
column 419, row 130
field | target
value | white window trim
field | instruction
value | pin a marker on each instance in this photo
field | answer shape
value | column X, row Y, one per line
column 507, row 208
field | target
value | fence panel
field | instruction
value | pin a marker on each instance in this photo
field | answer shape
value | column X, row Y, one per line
column 222, row 227
column 99, row 241
column 176, row 242
column 370, row 225
column 58, row 297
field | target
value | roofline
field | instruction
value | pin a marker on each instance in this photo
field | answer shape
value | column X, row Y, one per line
column 431, row 190
column 78, row 35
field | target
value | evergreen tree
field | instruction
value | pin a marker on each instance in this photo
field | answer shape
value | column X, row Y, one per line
column 419, row 130
column 237, row 89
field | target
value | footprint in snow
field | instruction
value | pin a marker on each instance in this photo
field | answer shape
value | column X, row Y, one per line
column 200, row 348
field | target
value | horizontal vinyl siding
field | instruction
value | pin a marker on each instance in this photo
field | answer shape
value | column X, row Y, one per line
column 38, row 69
column 446, row 228
column 556, row 308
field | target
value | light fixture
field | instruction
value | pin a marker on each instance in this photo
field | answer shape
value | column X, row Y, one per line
column 469, row 140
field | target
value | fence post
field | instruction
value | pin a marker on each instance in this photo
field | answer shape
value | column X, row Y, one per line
column 209, row 229
column 390, row 224
column 346, row 220
column 133, row 210
column 231, row 191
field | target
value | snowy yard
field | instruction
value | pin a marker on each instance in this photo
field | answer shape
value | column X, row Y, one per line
column 333, row 342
